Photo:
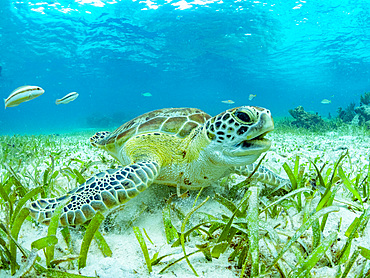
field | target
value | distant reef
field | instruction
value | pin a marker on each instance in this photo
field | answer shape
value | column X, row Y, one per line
column 305, row 119
column 358, row 115
column 352, row 114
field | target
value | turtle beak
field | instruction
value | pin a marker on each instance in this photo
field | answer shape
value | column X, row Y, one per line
column 261, row 128
column 254, row 138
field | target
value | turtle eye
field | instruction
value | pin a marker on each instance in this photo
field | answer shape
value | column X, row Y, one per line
column 244, row 117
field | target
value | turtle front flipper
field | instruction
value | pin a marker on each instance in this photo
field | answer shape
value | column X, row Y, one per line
column 262, row 174
column 102, row 192
column 94, row 140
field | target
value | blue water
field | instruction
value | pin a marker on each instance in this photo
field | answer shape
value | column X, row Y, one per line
column 185, row 53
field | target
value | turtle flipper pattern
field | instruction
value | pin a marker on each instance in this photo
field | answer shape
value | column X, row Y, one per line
column 262, row 174
column 102, row 192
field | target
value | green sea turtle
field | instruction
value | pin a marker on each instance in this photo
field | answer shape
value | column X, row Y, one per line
column 182, row 147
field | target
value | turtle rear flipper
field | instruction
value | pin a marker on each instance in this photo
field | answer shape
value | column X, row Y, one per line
column 262, row 174
column 102, row 192
column 97, row 137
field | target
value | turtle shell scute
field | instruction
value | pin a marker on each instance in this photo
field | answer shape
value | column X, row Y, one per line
column 174, row 121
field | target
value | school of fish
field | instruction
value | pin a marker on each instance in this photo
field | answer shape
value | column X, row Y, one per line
column 28, row 92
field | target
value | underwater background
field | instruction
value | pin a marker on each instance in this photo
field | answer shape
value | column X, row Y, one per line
column 184, row 53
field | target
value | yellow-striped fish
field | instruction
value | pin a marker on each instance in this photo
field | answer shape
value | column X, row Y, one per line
column 23, row 94
column 68, row 98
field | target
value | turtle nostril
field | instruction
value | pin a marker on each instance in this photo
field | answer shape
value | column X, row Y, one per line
column 242, row 130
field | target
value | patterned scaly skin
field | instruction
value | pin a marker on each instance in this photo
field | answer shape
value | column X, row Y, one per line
column 227, row 143
column 102, row 192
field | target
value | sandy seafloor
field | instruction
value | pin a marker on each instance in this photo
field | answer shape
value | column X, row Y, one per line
column 145, row 211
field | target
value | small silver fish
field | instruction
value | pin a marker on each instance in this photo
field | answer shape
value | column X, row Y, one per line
column 146, row 94
column 251, row 96
column 68, row 98
column 229, row 101
column 325, row 101
column 23, row 94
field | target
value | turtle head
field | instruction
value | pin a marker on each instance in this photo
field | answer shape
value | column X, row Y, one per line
column 237, row 136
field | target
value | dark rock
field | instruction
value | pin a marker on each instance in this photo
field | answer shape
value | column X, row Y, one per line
column 364, row 112
column 305, row 119
column 342, row 148
column 347, row 114
column 359, row 115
